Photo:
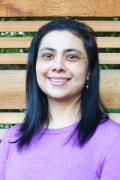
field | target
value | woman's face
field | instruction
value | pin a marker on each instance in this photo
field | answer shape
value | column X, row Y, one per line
column 62, row 65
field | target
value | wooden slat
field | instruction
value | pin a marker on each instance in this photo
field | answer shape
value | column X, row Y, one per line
column 11, row 117
column 104, row 26
column 12, row 84
column 14, row 118
column 87, row 8
column 23, row 26
column 110, row 88
column 21, row 58
column 12, row 89
column 24, row 42
column 15, row 42
column 114, row 116
column 109, row 58
column 110, row 42
column 32, row 26
column 13, row 58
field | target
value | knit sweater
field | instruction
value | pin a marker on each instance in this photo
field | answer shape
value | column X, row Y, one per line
column 49, row 158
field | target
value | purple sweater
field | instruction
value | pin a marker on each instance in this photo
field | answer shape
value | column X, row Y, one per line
column 50, row 159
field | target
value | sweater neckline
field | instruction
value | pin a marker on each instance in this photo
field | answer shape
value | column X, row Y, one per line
column 62, row 129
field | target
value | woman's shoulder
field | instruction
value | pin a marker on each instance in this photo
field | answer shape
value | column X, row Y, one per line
column 108, row 131
column 106, row 138
column 12, row 132
column 9, row 136
column 110, row 126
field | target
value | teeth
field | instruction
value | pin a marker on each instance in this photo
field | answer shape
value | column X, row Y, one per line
column 58, row 80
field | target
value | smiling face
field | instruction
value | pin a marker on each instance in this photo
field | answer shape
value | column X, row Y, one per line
column 62, row 65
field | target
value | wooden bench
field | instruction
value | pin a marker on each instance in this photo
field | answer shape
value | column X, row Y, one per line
column 12, row 81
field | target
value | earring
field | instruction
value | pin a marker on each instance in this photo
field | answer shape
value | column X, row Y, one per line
column 87, row 80
column 87, row 84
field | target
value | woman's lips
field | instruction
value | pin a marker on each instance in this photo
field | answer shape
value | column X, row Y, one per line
column 58, row 82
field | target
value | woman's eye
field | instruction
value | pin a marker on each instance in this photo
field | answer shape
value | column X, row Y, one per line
column 72, row 57
column 47, row 56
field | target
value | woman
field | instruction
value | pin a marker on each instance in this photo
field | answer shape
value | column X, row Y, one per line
column 66, row 133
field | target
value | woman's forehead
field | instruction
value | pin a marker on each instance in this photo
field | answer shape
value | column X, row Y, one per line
column 61, row 40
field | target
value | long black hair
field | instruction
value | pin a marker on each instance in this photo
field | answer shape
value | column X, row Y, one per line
column 37, row 110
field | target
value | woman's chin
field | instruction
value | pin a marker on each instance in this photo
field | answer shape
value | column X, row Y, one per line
column 59, row 97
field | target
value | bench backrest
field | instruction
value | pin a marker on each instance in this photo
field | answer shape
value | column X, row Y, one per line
column 12, row 79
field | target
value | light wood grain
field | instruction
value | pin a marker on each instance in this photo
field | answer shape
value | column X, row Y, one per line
column 21, row 58
column 33, row 26
column 115, row 116
column 12, row 88
column 24, row 42
column 15, row 42
column 110, row 88
column 12, row 8
column 11, row 117
column 109, row 58
column 110, row 42
column 13, row 58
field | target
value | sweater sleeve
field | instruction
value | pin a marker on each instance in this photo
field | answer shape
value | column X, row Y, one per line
column 4, row 151
column 6, row 147
column 111, row 167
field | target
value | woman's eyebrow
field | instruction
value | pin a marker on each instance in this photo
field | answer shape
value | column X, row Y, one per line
column 72, row 49
column 65, row 50
column 47, row 48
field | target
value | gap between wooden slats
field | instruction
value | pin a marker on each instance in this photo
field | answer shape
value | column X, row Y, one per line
column 21, row 58
column 24, row 42
column 12, row 88
column 32, row 26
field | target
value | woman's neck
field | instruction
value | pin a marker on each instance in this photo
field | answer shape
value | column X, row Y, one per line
column 63, row 113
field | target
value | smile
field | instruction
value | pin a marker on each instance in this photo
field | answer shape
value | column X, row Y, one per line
column 58, row 82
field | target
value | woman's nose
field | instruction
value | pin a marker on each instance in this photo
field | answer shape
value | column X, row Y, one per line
column 58, row 65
